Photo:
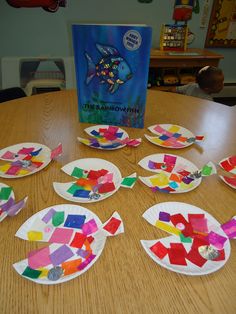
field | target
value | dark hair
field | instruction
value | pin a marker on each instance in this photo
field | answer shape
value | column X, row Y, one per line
column 208, row 76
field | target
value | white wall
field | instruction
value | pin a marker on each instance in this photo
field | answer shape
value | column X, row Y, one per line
column 35, row 32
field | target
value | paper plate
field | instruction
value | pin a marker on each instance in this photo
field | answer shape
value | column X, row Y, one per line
column 90, row 130
column 173, row 173
column 170, row 136
column 229, row 165
column 68, row 190
column 231, row 181
column 107, row 143
column 161, row 211
column 73, row 233
column 23, row 159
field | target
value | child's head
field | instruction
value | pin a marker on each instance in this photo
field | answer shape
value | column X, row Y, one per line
column 210, row 79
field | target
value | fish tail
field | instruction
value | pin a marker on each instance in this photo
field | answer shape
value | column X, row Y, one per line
column 91, row 68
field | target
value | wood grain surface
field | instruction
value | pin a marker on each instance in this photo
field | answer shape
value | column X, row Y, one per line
column 124, row 279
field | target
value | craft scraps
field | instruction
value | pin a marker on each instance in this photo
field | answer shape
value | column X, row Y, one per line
column 8, row 206
column 76, row 239
column 108, row 137
column 26, row 158
column 174, row 173
column 229, row 165
column 96, row 179
column 172, row 136
column 198, row 244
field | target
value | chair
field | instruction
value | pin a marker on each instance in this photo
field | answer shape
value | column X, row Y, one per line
column 11, row 93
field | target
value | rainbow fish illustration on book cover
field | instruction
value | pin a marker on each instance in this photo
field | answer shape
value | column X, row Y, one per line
column 112, row 63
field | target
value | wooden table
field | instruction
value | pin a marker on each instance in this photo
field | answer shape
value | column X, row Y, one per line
column 124, row 279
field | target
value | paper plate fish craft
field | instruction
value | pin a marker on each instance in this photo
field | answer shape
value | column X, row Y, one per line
column 76, row 238
column 8, row 206
column 229, row 165
column 96, row 180
column 111, row 69
column 198, row 244
column 108, row 137
column 26, row 158
column 172, row 136
column 174, row 174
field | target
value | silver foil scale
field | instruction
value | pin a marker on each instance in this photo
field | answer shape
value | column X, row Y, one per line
column 55, row 273
column 191, row 140
column 26, row 163
column 208, row 252
column 94, row 196
column 195, row 175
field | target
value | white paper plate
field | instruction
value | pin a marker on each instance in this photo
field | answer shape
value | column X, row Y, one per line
column 152, row 215
column 87, row 164
column 96, row 128
column 165, row 130
column 231, row 160
column 97, row 245
column 181, row 163
column 44, row 156
column 229, row 180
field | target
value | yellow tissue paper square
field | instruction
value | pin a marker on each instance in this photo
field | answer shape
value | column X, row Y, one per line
column 174, row 128
column 84, row 141
column 44, row 272
column 5, row 167
column 38, row 159
column 184, row 186
column 157, row 141
column 34, row 235
column 161, row 179
column 164, row 226
column 103, row 140
column 23, row 171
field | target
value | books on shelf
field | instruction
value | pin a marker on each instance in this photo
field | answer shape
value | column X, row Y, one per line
column 174, row 37
column 112, row 63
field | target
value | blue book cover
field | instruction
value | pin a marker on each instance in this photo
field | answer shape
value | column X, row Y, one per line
column 112, row 63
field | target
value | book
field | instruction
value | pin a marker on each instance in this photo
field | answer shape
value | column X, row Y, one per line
column 112, row 63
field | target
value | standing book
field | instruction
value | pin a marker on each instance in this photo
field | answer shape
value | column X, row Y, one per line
column 112, row 63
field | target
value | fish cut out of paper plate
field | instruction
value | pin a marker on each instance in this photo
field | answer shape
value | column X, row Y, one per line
column 8, row 206
column 95, row 179
column 75, row 236
column 197, row 243
column 174, row 174
column 108, row 137
column 172, row 136
column 24, row 159
column 229, row 165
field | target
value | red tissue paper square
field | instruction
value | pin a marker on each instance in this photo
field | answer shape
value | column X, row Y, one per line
column 177, row 254
column 159, row 250
column 112, row 225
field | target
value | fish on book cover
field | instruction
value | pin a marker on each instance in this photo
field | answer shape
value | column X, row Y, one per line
column 112, row 63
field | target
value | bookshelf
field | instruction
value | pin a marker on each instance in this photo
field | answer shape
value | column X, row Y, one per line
column 188, row 61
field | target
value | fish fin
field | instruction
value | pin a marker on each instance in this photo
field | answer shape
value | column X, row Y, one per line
column 91, row 68
column 114, row 88
column 107, row 51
